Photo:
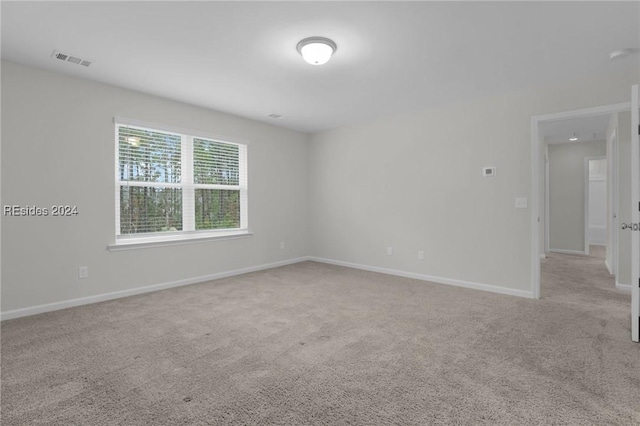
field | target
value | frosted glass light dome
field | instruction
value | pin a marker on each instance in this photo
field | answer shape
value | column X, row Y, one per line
column 316, row 50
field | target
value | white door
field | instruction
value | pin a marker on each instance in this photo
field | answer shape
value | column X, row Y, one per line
column 635, row 216
column 614, row 204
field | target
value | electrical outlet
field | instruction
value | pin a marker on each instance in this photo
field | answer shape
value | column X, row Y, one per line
column 389, row 251
column 83, row 272
column 421, row 254
column 281, row 245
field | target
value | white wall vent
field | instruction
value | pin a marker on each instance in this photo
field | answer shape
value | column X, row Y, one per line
column 69, row 58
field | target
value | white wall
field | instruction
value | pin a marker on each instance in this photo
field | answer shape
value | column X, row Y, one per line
column 413, row 182
column 598, row 202
column 58, row 148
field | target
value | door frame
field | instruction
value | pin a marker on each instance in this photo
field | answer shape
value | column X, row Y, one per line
column 635, row 214
column 536, row 120
column 612, row 186
column 547, row 210
column 587, row 184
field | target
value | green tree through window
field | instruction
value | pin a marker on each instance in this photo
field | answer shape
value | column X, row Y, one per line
column 171, row 183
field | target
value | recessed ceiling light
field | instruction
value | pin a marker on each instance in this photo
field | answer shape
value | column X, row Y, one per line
column 316, row 50
column 574, row 137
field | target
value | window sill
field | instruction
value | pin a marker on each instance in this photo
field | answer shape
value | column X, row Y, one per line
column 175, row 240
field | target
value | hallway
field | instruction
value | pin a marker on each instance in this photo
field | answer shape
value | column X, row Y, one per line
column 585, row 282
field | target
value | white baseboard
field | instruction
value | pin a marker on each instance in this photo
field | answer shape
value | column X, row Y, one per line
column 606, row 263
column 623, row 287
column 439, row 280
column 562, row 251
column 33, row 310
column 39, row 309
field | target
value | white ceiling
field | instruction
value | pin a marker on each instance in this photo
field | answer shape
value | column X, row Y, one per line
column 584, row 127
column 392, row 57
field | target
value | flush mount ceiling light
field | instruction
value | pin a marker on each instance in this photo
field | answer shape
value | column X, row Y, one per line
column 316, row 50
column 573, row 138
column 623, row 52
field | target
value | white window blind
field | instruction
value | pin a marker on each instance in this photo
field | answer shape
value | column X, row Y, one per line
column 170, row 183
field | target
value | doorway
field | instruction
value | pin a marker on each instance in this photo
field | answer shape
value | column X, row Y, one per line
column 596, row 196
column 541, row 166
column 569, row 185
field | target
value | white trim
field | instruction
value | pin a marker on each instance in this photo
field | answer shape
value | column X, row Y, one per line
column 186, row 185
column 34, row 310
column 243, row 157
column 635, row 214
column 612, row 186
column 547, row 211
column 535, row 210
column 173, row 129
column 422, row 277
column 587, row 183
column 563, row 251
column 623, row 287
column 535, row 176
column 176, row 240
column 584, row 112
column 116, row 170
column 142, row 184
column 606, row 263
column 585, row 207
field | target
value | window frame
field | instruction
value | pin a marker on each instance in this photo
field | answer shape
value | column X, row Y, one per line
column 188, row 188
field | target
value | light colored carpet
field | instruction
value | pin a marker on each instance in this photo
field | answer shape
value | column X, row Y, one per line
column 317, row 344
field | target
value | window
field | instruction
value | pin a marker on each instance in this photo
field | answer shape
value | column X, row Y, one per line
column 171, row 185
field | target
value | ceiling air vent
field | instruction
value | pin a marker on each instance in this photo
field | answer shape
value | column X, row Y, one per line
column 73, row 59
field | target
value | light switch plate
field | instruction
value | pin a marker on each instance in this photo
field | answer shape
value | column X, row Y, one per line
column 83, row 272
column 521, row 203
